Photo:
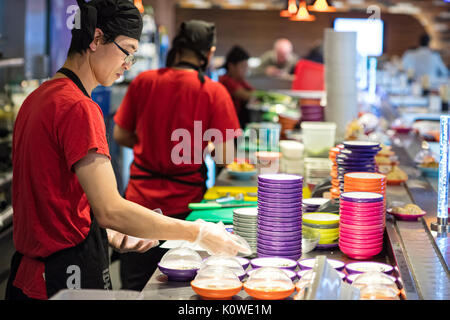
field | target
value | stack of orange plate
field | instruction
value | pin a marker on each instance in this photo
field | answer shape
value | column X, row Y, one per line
column 335, row 192
column 367, row 182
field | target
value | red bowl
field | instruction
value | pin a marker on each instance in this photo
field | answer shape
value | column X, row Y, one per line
column 375, row 206
column 362, row 229
column 402, row 129
column 360, row 254
column 360, row 245
column 361, row 237
column 363, row 233
column 357, row 222
column 362, row 204
column 361, row 210
column 361, row 214
column 353, row 242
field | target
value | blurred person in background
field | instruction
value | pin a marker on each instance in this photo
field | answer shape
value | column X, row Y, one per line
column 156, row 105
column 278, row 62
column 423, row 61
column 234, row 80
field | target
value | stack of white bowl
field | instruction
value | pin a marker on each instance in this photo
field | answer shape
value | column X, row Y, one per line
column 340, row 58
column 292, row 157
column 245, row 224
column 317, row 169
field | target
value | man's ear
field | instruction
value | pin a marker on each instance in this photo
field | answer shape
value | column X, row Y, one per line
column 98, row 35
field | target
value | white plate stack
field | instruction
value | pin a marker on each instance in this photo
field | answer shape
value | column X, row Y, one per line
column 340, row 58
column 245, row 224
column 292, row 160
column 317, row 169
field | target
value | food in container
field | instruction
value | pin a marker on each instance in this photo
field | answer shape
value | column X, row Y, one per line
column 269, row 283
column 226, row 261
column 376, row 286
column 361, row 267
column 396, row 174
column 180, row 264
column 291, row 274
column 216, row 282
column 306, row 264
column 275, row 262
column 409, row 212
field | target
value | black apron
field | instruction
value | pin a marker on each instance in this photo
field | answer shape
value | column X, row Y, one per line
column 84, row 266
column 152, row 174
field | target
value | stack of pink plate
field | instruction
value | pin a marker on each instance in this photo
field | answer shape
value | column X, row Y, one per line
column 279, row 231
column 361, row 224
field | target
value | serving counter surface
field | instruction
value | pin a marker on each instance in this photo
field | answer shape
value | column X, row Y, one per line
column 409, row 246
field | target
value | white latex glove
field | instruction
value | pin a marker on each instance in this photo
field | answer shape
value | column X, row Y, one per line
column 216, row 240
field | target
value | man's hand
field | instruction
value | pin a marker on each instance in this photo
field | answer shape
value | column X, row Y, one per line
column 124, row 243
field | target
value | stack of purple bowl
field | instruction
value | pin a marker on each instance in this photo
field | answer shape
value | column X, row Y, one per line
column 279, row 231
column 356, row 156
column 312, row 113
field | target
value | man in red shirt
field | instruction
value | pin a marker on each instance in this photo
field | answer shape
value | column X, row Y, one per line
column 160, row 107
column 65, row 198
column 234, row 80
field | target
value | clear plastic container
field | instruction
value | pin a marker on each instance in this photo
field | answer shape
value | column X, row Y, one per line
column 269, row 283
column 376, row 286
column 310, row 239
column 216, row 277
column 181, row 259
column 318, row 138
column 226, row 261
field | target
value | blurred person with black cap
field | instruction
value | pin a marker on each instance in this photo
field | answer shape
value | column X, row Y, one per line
column 234, row 80
column 67, row 208
column 158, row 105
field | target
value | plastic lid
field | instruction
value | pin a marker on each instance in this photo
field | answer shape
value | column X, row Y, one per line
column 269, row 279
column 181, row 259
column 305, row 281
column 216, row 277
column 226, row 261
column 374, row 278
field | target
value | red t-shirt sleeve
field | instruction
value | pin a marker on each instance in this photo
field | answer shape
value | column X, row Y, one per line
column 126, row 115
column 81, row 129
column 224, row 114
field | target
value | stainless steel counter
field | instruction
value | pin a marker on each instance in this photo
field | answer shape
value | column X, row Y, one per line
column 420, row 258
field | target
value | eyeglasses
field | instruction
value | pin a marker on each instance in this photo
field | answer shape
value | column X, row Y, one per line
column 129, row 59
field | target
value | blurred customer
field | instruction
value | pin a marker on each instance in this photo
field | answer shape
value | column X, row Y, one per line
column 280, row 61
column 234, row 80
column 423, row 61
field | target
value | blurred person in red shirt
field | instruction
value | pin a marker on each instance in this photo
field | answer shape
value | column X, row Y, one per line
column 234, row 80
column 159, row 105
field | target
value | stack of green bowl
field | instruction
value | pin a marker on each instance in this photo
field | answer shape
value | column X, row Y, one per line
column 327, row 224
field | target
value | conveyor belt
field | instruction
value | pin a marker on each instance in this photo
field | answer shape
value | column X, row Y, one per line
column 425, row 259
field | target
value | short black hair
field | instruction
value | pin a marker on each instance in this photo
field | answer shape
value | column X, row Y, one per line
column 236, row 55
column 424, row 40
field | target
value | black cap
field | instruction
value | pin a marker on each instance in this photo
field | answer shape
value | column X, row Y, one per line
column 113, row 17
column 196, row 35
column 235, row 55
